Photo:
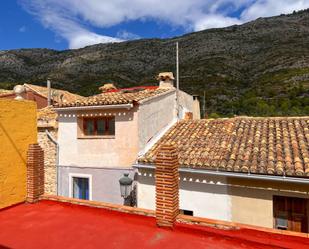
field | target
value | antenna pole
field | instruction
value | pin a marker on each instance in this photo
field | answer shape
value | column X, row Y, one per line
column 177, row 79
column 48, row 92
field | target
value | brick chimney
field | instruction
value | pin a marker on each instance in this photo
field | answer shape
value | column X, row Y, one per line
column 35, row 173
column 167, row 186
column 166, row 79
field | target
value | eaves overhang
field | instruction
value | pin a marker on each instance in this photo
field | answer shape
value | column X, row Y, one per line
column 98, row 107
column 232, row 174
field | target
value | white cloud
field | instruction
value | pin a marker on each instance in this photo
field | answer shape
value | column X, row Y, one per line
column 266, row 8
column 71, row 18
column 65, row 25
column 215, row 21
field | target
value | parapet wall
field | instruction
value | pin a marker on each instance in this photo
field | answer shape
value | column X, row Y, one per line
column 18, row 129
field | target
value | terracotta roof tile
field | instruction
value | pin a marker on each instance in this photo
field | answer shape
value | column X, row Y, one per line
column 118, row 97
column 47, row 117
column 4, row 91
column 274, row 146
column 66, row 96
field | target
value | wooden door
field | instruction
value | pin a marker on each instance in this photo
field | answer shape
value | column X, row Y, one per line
column 290, row 213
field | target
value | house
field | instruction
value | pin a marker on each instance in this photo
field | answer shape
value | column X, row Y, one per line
column 248, row 170
column 39, row 94
column 101, row 136
column 46, row 123
column 31, row 219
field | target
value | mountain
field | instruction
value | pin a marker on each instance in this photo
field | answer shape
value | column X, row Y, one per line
column 258, row 68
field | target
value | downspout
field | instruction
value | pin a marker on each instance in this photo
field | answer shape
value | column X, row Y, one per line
column 53, row 140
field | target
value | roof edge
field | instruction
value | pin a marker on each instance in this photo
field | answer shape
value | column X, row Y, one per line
column 143, row 101
column 93, row 107
column 232, row 174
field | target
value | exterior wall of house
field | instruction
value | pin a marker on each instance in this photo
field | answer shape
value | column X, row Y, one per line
column 104, row 182
column 186, row 103
column 17, row 131
column 118, row 151
column 154, row 115
column 40, row 101
column 50, row 155
column 223, row 198
column 105, row 160
column 205, row 196
column 252, row 200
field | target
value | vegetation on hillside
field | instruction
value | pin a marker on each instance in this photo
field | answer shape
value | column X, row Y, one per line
column 260, row 68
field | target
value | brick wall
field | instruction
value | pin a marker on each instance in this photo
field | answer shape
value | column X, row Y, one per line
column 35, row 173
column 167, row 186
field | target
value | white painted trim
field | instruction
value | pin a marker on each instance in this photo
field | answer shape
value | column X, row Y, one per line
column 72, row 108
column 71, row 175
column 231, row 174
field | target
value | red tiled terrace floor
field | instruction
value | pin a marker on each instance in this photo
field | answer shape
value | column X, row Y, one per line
column 50, row 224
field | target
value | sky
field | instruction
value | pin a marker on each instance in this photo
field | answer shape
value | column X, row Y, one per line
column 70, row 24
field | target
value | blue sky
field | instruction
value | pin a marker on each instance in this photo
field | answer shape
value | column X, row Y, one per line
column 63, row 24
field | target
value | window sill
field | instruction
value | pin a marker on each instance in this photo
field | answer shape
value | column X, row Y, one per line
column 97, row 137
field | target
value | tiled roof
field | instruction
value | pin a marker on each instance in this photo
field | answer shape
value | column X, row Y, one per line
column 4, row 91
column 123, row 96
column 275, row 146
column 67, row 96
column 47, row 117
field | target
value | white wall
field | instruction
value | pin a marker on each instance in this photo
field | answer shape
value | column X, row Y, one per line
column 205, row 196
column 154, row 115
column 187, row 104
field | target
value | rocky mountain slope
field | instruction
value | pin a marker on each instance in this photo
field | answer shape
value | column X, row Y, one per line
column 258, row 68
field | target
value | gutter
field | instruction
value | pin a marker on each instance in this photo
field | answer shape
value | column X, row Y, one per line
column 53, row 140
column 102, row 107
column 232, row 174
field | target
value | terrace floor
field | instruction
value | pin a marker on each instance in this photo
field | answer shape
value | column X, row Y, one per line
column 51, row 224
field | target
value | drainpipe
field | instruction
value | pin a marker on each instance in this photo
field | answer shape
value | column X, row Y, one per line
column 53, row 140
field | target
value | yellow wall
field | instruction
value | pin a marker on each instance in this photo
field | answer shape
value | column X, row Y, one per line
column 252, row 200
column 18, row 129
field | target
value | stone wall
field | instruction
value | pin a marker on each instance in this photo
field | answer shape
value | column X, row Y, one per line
column 50, row 149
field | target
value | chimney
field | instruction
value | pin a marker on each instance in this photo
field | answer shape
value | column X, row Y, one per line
column 35, row 173
column 19, row 90
column 188, row 116
column 167, row 186
column 48, row 92
column 107, row 87
column 166, row 80
column 196, row 107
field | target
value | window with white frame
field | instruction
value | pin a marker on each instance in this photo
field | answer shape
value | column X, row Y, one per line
column 80, row 186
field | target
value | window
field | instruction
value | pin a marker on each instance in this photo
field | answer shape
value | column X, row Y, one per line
column 80, row 186
column 99, row 126
column 186, row 212
column 290, row 213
